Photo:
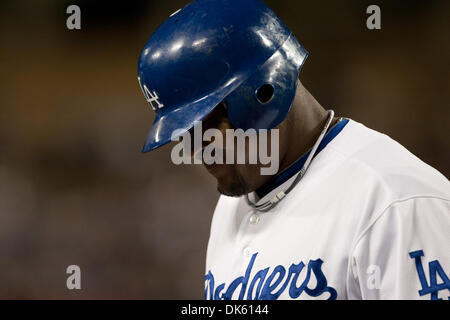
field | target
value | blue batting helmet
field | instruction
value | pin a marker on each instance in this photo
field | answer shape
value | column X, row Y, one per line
column 236, row 51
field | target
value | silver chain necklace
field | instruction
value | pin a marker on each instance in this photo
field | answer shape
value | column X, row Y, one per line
column 269, row 204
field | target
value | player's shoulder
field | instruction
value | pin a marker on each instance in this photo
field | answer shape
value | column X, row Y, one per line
column 378, row 156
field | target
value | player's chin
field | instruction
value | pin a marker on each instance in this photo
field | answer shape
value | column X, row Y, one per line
column 235, row 190
column 232, row 187
column 229, row 181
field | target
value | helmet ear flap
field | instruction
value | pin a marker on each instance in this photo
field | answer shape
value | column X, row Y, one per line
column 264, row 99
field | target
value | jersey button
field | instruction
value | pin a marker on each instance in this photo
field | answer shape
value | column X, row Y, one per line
column 247, row 252
column 254, row 219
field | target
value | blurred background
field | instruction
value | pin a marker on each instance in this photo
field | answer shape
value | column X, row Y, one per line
column 74, row 187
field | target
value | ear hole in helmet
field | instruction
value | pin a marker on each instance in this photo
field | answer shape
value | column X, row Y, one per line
column 264, row 93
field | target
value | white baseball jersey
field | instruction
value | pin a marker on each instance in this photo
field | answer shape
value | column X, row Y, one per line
column 369, row 220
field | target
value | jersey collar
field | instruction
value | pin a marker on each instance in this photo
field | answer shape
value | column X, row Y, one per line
column 295, row 167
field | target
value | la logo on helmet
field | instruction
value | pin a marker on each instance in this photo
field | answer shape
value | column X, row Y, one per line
column 151, row 97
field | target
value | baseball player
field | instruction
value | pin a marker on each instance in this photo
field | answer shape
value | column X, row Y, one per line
column 349, row 214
